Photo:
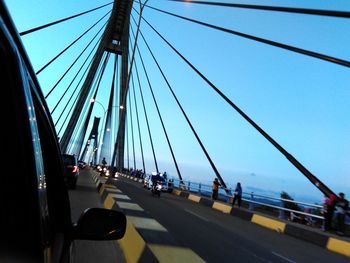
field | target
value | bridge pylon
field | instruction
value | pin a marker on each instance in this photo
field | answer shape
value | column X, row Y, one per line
column 115, row 39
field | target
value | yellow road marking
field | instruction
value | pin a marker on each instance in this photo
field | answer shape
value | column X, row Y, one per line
column 339, row 246
column 170, row 254
column 269, row 223
column 109, row 202
column 176, row 192
column 132, row 244
column 222, row 207
column 194, row 198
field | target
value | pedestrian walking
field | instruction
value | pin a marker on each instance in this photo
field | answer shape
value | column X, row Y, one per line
column 237, row 195
column 342, row 207
column 216, row 185
column 328, row 210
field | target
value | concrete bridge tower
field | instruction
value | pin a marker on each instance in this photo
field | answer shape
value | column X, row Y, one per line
column 115, row 39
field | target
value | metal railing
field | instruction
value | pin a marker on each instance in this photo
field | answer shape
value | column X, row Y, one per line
column 256, row 200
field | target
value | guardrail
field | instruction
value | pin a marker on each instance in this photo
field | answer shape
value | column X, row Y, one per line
column 255, row 200
column 312, row 214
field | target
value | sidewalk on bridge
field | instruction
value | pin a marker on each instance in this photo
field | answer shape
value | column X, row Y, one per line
column 332, row 242
column 87, row 251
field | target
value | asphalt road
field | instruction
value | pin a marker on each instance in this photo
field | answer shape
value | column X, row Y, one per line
column 217, row 237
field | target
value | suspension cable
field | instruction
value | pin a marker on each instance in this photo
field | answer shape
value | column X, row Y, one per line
column 327, row 58
column 322, row 187
column 158, row 111
column 70, row 45
column 68, row 87
column 72, row 81
column 146, row 118
column 138, row 122
column 184, row 114
column 132, row 129
column 76, row 99
column 273, row 8
column 127, row 141
column 59, row 21
column 70, row 67
column 88, row 116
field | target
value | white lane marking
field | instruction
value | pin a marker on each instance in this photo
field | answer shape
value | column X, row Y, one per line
column 193, row 213
column 286, row 259
column 146, row 223
column 120, row 196
column 131, row 206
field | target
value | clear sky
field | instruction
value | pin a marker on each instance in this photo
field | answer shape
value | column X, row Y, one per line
column 302, row 102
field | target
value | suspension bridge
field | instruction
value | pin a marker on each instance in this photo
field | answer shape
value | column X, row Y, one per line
column 161, row 85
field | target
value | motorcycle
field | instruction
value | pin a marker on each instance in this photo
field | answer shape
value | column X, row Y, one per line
column 157, row 188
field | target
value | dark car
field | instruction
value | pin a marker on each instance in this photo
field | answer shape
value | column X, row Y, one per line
column 71, row 170
column 81, row 164
column 36, row 224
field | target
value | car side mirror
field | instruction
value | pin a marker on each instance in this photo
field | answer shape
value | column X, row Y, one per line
column 100, row 224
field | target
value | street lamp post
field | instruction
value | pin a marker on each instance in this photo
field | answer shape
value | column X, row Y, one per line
column 99, row 142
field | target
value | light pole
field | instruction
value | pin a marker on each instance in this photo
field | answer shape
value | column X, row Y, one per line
column 99, row 142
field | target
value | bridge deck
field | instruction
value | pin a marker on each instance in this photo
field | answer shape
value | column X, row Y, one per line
column 169, row 226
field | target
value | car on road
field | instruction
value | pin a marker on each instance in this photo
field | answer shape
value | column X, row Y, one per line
column 81, row 164
column 71, row 170
column 36, row 223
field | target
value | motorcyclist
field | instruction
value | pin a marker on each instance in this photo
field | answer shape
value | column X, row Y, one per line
column 155, row 179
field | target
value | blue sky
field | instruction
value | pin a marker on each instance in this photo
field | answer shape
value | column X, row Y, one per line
column 300, row 101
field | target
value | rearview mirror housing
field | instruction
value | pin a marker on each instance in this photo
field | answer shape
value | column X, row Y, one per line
column 100, row 224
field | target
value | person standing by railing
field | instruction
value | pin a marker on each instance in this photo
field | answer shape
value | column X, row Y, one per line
column 216, row 185
column 342, row 206
column 237, row 195
column 329, row 206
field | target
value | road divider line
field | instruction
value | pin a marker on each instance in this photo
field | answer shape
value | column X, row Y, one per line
column 146, row 223
column 128, row 205
column 280, row 256
column 120, row 196
column 195, row 214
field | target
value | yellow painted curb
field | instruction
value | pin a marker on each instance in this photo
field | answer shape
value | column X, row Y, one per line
column 339, row 246
column 109, row 202
column 170, row 254
column 176, row 192
column 222, row 207
column 194, row 198
column 132, row 244
column 269, row 223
